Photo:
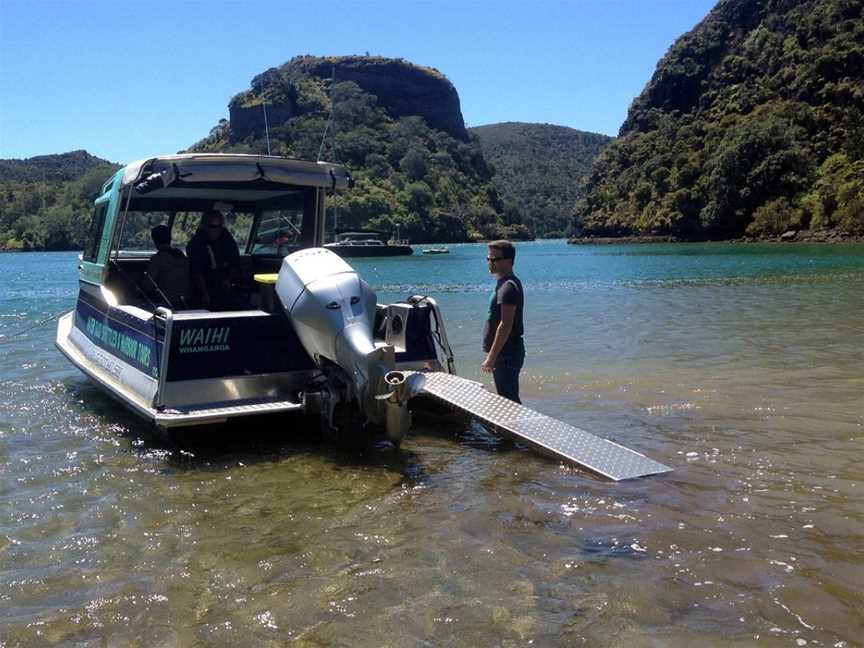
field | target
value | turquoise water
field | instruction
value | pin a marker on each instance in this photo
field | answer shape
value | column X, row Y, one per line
column 739, row 365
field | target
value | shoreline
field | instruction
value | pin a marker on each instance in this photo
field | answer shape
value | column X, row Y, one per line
column 802, row 236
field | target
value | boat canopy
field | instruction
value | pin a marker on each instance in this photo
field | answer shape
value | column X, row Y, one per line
column 239, row 170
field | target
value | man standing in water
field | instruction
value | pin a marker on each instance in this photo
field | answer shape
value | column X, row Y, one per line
column 502, row 335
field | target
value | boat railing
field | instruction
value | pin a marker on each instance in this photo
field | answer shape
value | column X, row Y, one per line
column 167, row 315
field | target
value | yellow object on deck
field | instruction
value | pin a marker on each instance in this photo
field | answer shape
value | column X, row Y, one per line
column 267, row 291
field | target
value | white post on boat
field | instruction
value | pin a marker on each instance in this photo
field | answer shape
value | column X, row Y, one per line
column 266, row 126
column 168, row 323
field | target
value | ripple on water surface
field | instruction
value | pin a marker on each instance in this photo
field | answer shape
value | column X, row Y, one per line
column 750, row 388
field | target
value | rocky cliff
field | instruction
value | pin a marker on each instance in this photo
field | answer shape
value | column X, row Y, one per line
column 402, row 89
column 397, row 127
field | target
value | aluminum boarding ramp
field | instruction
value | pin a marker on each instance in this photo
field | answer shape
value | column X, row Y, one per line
column 543, row 433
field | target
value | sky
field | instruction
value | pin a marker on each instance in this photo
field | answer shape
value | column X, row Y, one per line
column 128, row 80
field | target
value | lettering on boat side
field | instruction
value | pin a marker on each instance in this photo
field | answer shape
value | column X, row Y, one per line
column 205, row 339
column 135, row 351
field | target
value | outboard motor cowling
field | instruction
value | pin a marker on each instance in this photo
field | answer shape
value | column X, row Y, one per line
column 326, row 301
column 333, row 311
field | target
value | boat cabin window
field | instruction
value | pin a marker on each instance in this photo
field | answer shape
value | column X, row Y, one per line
column 278, row 233
column 134, row 233
column 266, row 223
column 240, row 225
column 94, row 237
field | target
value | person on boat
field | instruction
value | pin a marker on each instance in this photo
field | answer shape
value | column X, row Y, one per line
column 213, row 255
column 502, row 334
column 169, row 270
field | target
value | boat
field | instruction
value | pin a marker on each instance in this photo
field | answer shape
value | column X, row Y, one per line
column 367, row 244
column 436, row 250
column 311, row 337
column 305, row 334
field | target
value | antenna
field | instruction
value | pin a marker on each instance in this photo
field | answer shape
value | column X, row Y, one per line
column 324, row 137
column 266, row 126
column 330, row 117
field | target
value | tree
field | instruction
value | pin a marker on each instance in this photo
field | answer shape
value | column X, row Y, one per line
column 414, row 164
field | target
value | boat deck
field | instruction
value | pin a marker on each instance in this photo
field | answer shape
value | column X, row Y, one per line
column 221, row 412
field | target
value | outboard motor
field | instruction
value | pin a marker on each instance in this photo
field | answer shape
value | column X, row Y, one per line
column 333, row 311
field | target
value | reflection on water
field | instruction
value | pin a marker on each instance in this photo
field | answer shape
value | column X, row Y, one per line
column 740, row 366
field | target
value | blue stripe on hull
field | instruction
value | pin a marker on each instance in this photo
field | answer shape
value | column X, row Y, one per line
column 219, row 347
column 144, row 327
column 114, row 335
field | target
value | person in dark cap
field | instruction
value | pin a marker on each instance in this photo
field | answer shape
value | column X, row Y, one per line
column 169, row 270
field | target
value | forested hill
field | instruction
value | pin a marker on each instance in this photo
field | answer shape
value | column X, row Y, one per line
column 753, row 123
column 46, row 201
column 63, row 166
column 397, row 126
column 537, row 169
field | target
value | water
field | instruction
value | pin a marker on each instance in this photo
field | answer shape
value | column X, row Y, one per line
column 738, row 365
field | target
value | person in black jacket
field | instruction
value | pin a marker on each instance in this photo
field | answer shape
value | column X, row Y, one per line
column 213, row 256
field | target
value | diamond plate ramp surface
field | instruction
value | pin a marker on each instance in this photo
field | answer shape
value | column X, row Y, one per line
column 543, row 433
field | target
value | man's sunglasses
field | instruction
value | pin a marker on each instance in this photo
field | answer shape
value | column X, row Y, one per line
column 493, row 259
column 211, row 226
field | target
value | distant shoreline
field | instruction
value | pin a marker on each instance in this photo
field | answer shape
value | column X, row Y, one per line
column 802, row 236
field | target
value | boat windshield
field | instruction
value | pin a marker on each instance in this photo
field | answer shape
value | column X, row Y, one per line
column 262, row 227
column 134, row 238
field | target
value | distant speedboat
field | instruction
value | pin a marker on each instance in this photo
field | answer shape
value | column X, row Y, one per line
column 436, row 250
column 366, row 244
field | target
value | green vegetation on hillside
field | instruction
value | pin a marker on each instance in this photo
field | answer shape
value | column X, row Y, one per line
column 537, row 171
column 46, row 201
column 753, row 124
column 434, row 186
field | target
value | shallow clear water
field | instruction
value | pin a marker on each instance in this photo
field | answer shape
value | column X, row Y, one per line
column 741, row 366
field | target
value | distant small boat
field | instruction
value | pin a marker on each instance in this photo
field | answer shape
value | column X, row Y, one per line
column 436, row 250
column 367, row 244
